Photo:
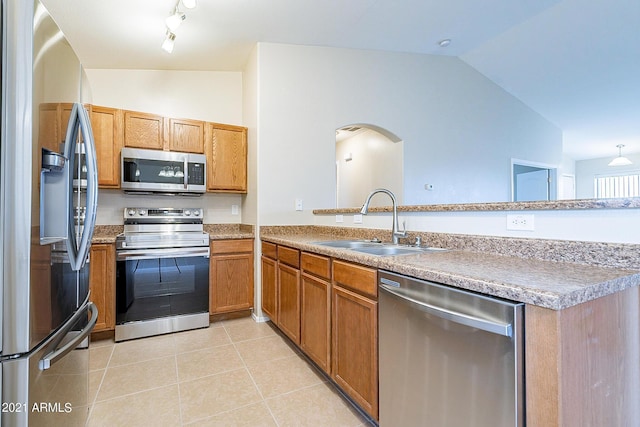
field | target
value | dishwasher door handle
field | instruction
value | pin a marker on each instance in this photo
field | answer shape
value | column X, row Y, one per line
column 504, row 329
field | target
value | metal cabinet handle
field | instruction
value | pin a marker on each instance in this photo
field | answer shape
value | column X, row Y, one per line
column 161, row 253
column 504, row 329
column 47, row 361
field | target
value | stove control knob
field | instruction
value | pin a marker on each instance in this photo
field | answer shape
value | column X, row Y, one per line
column 142, row 212
column 131, row 212
column 187, row 212
column 196, row 212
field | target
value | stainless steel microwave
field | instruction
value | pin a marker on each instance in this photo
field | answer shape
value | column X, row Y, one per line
column 170, row 172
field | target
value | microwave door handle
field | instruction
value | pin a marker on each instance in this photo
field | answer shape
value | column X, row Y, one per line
column 186, row 173
column 92, row 186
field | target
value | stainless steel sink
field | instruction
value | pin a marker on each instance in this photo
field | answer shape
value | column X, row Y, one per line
column 349, row 244
column 387, row 250
column 376, row 248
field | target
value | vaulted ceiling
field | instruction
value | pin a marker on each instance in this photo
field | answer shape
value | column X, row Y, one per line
column 575, row 62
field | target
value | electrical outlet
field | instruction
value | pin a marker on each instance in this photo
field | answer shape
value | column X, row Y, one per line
column 234, row 209
column 520, row 222
column 339, row 218
column 298, row 204
column 357, row 219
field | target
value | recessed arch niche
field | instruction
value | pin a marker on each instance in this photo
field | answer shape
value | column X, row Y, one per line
column 367, row 157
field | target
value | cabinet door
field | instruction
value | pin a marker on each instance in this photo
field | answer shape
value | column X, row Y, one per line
column 355, row 347
column 64, row 113
column 289, row 301
column 102, row 283
column 315, row 320
column 269, row 288
column 186, row 135
column 232, row 283
column 108, row 134
column 49, row 127
column 226, row 150
column 143, row 130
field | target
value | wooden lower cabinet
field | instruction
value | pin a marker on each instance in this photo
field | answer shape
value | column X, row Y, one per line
column 315, row 320
column 328, row 308
column 270, row 288
column 315, row 306
column 102, row 284
column 355, row 347
column 289, row 301
column 231, row 276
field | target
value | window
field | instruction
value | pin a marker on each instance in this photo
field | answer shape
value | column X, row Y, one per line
column 617, row 186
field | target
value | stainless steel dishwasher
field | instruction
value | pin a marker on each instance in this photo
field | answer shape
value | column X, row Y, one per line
column 448, row 357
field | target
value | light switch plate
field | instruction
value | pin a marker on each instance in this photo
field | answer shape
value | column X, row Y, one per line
column 357, row 219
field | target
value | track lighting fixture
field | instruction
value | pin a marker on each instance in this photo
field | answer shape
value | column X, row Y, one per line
column 173, row 21
column 169, row 40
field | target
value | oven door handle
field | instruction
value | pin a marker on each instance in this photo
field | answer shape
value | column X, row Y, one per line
column 126, row 255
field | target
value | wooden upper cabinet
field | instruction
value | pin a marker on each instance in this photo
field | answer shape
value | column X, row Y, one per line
column 186, row 135
column 49, row 127
column 144, row 130
column 107, row 125
column 64, row 114
column 226, row 150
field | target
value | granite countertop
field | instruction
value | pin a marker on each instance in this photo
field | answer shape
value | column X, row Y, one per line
column 108, row 233
column 550, row 284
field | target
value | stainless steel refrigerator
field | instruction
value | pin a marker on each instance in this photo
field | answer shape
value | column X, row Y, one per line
column 48, row 202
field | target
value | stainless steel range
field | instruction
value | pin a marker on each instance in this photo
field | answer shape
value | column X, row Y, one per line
column 162, row 283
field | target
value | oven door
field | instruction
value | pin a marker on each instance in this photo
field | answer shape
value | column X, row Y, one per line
column 158, row 283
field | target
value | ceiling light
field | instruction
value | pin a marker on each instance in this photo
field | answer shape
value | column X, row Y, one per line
column 189, row 4
column 620, row 160
column 174, row 21
column 444, row 43
column 167, row 45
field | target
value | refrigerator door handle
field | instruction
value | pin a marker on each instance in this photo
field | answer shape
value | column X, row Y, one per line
column 92, row 185
column 48, row 360
column 79, row 123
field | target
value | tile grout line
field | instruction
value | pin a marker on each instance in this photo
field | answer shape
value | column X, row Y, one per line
column 264, row 402
column 104, row 374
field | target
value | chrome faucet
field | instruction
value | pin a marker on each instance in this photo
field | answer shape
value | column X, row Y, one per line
column 395, row 230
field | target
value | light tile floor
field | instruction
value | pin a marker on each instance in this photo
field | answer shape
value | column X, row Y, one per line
column 234, row 373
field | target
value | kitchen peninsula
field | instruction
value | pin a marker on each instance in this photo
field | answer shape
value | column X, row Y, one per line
column 581, row 317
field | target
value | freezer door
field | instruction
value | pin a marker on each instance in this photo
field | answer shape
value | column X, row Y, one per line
column 49, row 387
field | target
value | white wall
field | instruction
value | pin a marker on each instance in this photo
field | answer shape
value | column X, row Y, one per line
column 375, row 161
column 595, row 225
column 251, row 116
column 587, row 170
column 201, row 95
column 214, row 96
column 459, row 129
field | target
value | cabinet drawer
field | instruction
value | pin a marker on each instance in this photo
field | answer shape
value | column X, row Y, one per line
column 316, row 264
column 269, row 250
column 289, row 256
column 356, row 277
column 231, row 246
